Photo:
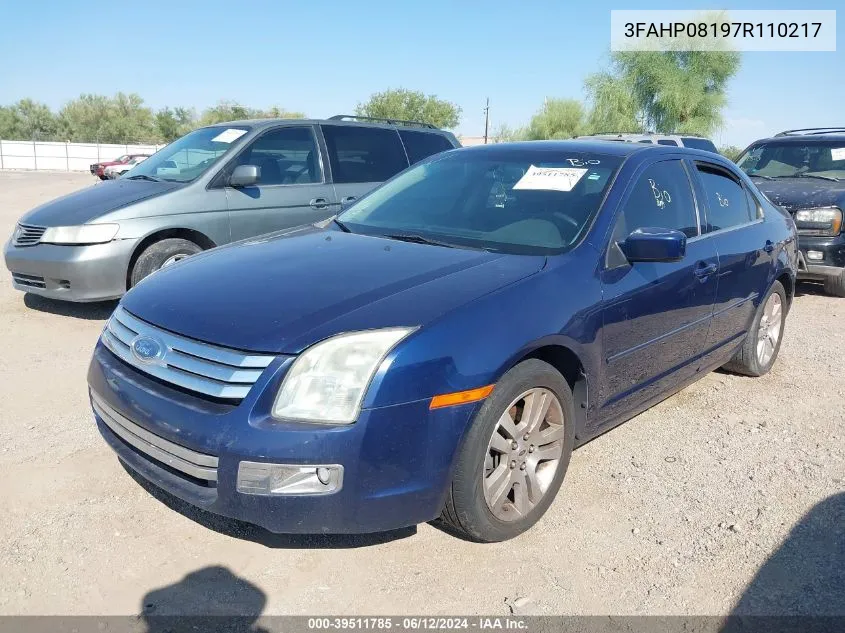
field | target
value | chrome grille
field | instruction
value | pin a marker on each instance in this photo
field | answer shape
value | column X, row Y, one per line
column 198, row 465
column 207, row 369
column 28, row 234
column 30, row 281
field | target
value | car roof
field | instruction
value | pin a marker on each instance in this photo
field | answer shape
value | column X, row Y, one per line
column 259, row 124
column 642, row 135
column 803, row 138
column 597, row 146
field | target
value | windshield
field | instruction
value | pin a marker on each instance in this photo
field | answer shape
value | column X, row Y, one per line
column 190, row 156
column 791, row 159
column 525, row 202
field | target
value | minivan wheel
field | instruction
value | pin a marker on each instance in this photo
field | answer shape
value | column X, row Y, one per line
column 514, row 457
column 835, row 285
column 160, row 255
column 762, row 343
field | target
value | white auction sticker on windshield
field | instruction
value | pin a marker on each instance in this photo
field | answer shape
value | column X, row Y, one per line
column 837, row 153
column 227, row 136
column 551, row 178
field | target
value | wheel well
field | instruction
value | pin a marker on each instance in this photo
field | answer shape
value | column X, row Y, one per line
column 196, row 237
column 789, row 286
column 570, row 366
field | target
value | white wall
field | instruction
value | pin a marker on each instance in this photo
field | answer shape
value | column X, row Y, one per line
column 42, row 155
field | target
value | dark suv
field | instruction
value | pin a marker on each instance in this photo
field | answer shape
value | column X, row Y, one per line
column 215, row 185
column 803, row 171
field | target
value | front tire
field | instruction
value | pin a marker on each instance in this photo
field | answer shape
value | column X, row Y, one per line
column 835, row 285
column 514, row 457
column 160, row 255
column 762, row 343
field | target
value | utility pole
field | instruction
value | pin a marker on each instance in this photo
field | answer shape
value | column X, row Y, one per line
column 486, row 119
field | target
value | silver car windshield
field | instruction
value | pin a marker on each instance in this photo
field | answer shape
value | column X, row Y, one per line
column 190, row 156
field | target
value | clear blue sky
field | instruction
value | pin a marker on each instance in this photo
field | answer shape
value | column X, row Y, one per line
column 324, row 57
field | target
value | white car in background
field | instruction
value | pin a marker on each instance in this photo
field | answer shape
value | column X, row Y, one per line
column 116, row 171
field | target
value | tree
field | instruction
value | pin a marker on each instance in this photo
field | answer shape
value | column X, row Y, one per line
column 121, row 119
column 557, row 119
column 27, row 120
column 411, row 105
column 232, row 111
column 174, row 123
column 670, row 91
column 730, row 152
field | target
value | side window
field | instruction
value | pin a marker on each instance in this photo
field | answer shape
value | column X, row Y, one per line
column 727, row 200
column 667, row 141
column 419, row 145
column 699, row 143
column 754, row 208
column 661, row 198
column 363, row 154
column 287, row 156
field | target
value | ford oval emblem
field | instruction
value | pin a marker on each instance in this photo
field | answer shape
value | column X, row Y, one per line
column 147, row 349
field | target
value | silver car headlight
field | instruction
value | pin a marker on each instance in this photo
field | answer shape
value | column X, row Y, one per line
column 328, row 381
column 824, row 221
column 83, row 234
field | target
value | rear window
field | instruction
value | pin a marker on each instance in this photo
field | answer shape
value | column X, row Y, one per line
column 419, row 145
column 362, row 154
column 666, row 141
column 699, row 143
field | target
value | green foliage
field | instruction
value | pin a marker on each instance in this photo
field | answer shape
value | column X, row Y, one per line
column 614, row 108
column 232, row 111
column 557, row 119
column 172, row 123
column 411, row 105
column 27, row 120
column 120, row 119
column 730, row 152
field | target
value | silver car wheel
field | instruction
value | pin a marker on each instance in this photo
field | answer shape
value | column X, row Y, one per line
column 523, row 454
column 771, row 324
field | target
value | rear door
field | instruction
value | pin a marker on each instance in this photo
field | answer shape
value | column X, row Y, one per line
column 292, row 188
column 361, row 158
column 656, row 314
column 734, row 223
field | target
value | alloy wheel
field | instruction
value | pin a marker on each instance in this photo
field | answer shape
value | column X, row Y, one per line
column 771, row 324
column 523, row 454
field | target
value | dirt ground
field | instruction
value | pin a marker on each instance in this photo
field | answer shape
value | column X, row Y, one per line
column 727, row 497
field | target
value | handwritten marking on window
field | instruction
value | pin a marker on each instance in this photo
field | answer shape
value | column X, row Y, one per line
column 723, row 202
column 661, row 196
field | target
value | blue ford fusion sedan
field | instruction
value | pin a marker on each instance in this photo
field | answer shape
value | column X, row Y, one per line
column 440, row 348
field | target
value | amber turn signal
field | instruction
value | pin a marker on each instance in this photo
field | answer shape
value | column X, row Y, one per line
column 460, row 397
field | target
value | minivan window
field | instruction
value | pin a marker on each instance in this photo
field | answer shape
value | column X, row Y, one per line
column 363, row 154
column 419, row 145
column 189, row 157
column 661, row 198
column 513, row 202
column 699, row 143
column 727, row 200
column 287, row 156
column 667, row 141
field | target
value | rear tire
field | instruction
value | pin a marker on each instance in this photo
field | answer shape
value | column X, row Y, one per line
column 759, row 352
column 835, row 285
column 159, row 254
column 530, row 461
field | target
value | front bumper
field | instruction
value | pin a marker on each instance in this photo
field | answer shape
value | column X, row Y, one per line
column 96, row 272
column 397, row 460
column 832, row 263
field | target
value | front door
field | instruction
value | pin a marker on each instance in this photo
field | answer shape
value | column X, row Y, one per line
column 656, row 315
column 292, row 189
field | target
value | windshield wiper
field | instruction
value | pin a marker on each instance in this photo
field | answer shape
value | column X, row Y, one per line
column 417, row 239
column 143, row 177
column 342, row 226
column 760, row 176
column 818, row 176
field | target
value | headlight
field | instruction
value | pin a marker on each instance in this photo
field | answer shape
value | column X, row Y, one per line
column 327, row 382
column 826, row 221
column 84, row 234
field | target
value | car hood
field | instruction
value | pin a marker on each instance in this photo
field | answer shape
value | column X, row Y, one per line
column 90, row 203
column 282, row 293
column 802, row 193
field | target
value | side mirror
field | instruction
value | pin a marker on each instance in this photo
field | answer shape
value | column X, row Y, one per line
column 245, row 176
column 650, row 244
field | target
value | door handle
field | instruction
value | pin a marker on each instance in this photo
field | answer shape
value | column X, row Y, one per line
column 769, row 247
column 704, row 270
column 348, row 199
column 319, row 203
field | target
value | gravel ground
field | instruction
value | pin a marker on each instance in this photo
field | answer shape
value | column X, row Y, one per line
column 726, row 497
